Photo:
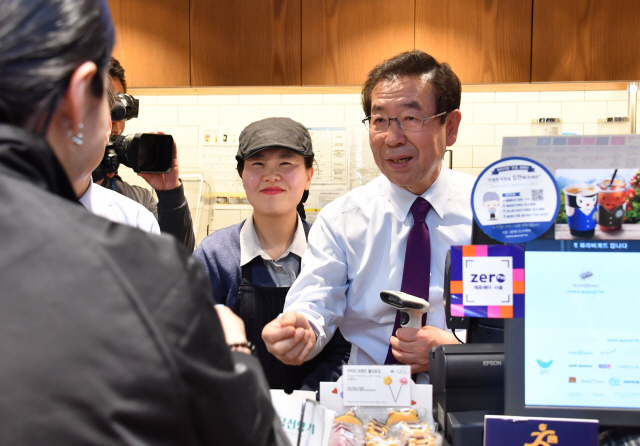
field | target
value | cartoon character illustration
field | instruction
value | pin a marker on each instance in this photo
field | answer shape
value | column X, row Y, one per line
column 582, row 209
column 587, row 204
column 491, row 201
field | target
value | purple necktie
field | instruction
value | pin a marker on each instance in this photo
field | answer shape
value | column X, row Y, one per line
column 417, row 262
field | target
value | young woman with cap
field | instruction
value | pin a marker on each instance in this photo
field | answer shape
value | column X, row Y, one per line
column 252, row 264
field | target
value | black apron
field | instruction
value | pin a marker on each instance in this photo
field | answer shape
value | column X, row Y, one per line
column 257, row 306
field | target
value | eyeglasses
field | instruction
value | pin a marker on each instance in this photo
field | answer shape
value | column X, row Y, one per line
column 409, row 122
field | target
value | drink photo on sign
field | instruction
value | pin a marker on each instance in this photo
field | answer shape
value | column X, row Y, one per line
column 601, row 204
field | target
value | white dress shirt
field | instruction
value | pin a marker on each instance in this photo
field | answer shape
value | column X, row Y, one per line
column 118, row 208
column 356, row 250
column 283, row 270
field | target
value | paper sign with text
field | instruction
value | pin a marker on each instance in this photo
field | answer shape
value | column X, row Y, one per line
column 377, row 385
column 313, row 430
column 488, row 280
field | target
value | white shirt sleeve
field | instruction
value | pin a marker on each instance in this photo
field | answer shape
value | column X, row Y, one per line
column 118, row 208
column 320, row 290
column 147, row 222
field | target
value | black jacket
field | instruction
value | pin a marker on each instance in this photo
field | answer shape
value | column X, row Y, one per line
column 107, row 334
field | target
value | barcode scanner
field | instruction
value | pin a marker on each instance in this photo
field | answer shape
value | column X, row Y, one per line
column 411, row 307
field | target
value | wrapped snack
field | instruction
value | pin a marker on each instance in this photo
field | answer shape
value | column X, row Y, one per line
column 377, row 429
column 349, row 417
column 416, row 434
column 430, row 441
column 380, row 441
column 345, row 434
column 415, row 430
column 407, row 415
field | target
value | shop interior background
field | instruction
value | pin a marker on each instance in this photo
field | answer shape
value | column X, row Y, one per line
column 487, row 116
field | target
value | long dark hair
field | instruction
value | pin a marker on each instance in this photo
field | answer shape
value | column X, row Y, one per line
column 41, row 43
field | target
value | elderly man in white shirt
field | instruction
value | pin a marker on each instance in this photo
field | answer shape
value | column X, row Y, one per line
column 357, row 244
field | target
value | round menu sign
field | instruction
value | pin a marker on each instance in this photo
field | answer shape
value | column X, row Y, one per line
column 515, row 200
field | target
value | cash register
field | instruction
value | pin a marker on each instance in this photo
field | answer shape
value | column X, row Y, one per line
column 576, row 355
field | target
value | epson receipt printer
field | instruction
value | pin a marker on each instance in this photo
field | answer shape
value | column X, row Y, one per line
column 466, row 377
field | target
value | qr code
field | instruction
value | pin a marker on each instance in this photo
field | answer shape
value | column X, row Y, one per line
column 537, row 195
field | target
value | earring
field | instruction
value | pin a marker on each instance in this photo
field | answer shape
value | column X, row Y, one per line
column 77, row 140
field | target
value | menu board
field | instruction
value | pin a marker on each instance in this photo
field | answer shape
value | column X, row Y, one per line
column 576, row 152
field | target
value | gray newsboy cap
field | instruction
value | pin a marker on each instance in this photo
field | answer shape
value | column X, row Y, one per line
column 269, row 133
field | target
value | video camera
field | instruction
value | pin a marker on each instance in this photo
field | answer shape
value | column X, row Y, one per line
column 143, row 152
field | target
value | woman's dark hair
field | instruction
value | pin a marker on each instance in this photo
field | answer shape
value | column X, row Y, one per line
column 447, row 89
column 42, row 42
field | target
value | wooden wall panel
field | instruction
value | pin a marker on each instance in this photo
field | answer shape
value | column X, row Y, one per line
column 484, row 41
column 342, row 40
column 245, row 42
column 585, row 40
column 152, row 41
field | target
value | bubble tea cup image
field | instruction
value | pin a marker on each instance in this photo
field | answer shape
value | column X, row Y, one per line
column 581, row 202
column 611, row 199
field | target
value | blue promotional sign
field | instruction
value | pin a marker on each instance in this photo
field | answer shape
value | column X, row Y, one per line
column 515, row 200
column 521, row 431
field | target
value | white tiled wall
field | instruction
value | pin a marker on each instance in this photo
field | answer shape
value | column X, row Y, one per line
column 486, row 116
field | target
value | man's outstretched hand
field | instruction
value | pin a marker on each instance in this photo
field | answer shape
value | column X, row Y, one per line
column 289, row 338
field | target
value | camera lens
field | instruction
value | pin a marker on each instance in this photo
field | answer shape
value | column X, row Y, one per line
column 145, row 152
column 148, row 156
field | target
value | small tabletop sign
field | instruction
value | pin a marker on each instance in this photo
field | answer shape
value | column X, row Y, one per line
column 377, row 385
column 515, row 200
column 487, row 281
column 519, row 431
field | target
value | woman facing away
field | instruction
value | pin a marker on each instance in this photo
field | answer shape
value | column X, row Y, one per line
column 252, row 264
column 108, row 335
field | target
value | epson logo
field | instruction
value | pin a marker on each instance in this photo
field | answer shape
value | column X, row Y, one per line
column 491, row 363
column 484, row 278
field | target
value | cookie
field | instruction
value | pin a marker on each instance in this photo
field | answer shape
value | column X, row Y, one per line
column 349, row 417
column 410, row 416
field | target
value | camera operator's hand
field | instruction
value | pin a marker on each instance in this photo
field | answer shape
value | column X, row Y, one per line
column 165, row 181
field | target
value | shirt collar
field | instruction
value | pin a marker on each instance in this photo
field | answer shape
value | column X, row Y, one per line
column 86, row 199
column 250, row 246
column 401, row 199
